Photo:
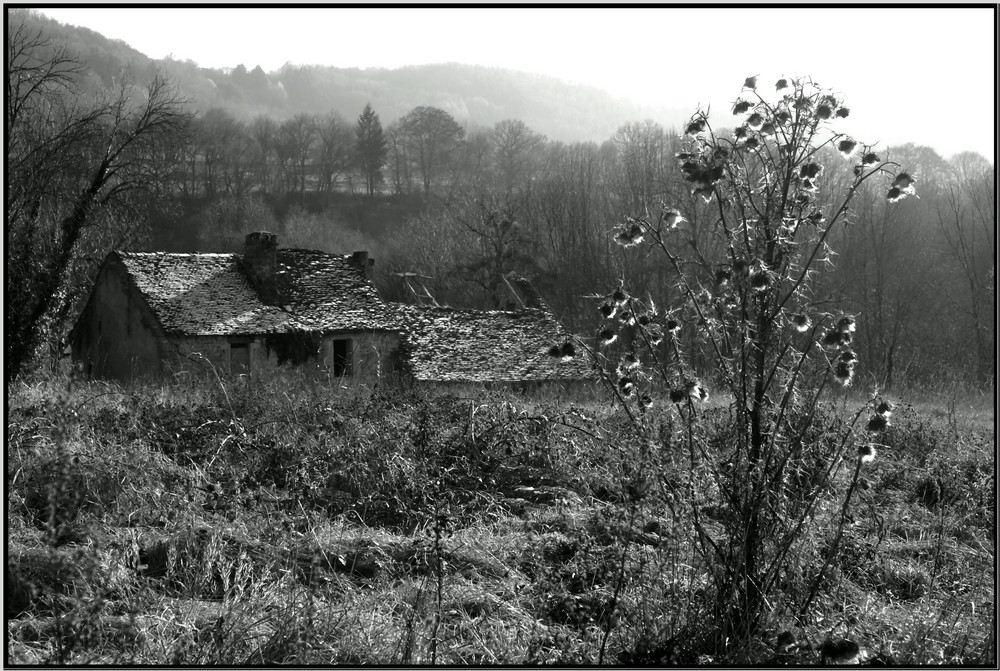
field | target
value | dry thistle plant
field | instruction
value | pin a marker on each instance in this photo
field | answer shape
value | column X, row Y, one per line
column 770, row 345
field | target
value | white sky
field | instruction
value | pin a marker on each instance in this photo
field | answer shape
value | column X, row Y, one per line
column 909, row 74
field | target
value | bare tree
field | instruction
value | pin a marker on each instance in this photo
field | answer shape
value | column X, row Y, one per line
column 298, row 135
column 223, row 146
column 880, row 274
column 470, row 162
column 432, row 136
column 264, row 131
column 78, row 177
column 967, row 219
column 399, row 158
column 516, row 148
column 336, row 142
column 643, row 155
column 493, row 222
column 226, row 220
column 570, row 237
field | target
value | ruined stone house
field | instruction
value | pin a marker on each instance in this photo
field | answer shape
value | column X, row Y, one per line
column 156, row 314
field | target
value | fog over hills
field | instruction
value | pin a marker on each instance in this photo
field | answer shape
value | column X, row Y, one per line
column 474, row 95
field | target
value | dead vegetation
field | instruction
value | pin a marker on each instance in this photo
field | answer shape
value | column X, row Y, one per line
column 283, row 525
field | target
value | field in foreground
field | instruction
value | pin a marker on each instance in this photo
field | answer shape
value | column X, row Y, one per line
column 286, row 525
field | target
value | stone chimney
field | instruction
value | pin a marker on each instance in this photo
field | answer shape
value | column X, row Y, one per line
column 260, row 262
column 524, row 292
column 366, row 264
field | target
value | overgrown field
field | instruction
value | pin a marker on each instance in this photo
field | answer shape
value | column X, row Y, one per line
column 286, row 524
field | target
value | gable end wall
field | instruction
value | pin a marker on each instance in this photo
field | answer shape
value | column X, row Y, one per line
column 118, row 337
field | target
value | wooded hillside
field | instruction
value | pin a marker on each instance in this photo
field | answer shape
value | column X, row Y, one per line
column 476, row 96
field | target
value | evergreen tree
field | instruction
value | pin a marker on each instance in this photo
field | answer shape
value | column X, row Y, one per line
column 372, row 148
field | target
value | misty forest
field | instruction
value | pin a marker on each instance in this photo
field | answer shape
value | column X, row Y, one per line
column 785, row 457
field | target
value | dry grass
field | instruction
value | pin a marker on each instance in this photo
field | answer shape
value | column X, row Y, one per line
column 285, row 525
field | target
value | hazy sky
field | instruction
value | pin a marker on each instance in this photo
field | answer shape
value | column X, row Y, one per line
column 925, row 75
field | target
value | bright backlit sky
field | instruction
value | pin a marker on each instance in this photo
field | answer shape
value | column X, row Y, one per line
column 909, row 74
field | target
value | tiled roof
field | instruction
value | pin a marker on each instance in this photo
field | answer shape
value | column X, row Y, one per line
column 209, row 294
column 327, row 292
column 449, row 345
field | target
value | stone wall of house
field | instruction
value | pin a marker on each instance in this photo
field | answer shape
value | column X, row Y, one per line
column 373, row 353
column 373, row 356
column 117, row 337
column 197, row 354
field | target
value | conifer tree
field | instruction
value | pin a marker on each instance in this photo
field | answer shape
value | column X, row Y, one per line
column 372, row 149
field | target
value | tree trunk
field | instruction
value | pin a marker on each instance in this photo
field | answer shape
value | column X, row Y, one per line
column 27, row 338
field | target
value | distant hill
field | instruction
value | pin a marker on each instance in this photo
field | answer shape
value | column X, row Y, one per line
column 474, row 95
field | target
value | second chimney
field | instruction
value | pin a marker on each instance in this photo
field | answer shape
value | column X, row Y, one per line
column 366, row 264
column 260, row 262
column 524, row 292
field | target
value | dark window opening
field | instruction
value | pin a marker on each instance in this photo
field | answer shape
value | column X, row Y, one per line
column 295, row 347
column 342, row 352
column 239, row 358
